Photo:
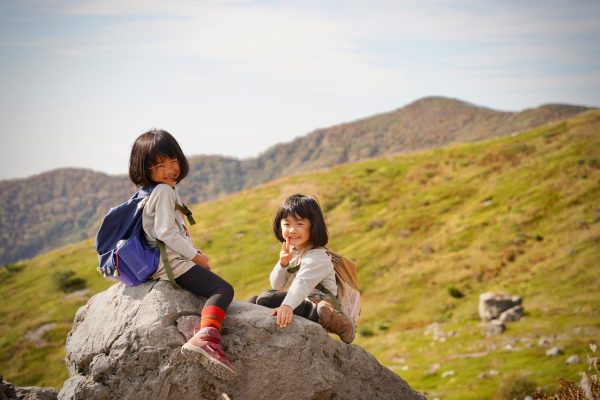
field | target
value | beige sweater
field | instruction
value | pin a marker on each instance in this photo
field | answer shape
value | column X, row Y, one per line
column 161, row 221
column 315, row 267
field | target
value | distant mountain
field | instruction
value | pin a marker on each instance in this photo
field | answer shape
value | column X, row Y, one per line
column 427, row 123
column 62, row 206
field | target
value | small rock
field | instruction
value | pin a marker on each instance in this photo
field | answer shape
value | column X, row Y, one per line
column 512, row 314
column 494, row 327
column 433, row 369
column 544, row 341
column 482, row 375
column 404, row 233
column 446, row 374
column 554, row 351
column 493, row 372
column 574, row 359
column 527, row 398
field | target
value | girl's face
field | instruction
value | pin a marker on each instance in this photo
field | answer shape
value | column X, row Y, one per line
column 165, row 170
column 296, row 231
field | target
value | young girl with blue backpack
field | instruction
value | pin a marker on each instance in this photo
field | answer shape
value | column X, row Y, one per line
column 157, row 164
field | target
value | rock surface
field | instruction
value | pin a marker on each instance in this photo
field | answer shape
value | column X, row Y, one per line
column 125, row 344
column 8, row 391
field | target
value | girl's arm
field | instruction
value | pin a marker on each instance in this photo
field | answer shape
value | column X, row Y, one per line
column 279, row 277
column 165, row 226
column 312, row 271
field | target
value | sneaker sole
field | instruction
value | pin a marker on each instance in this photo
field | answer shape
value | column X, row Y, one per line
column 215, row 367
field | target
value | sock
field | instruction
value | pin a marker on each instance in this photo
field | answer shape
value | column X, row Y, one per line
column 212, row 316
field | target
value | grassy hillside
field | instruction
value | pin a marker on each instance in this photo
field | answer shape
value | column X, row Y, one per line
column 60, row 207
column 518, row 214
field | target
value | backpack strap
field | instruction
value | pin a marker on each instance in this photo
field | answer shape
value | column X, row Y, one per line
column 336, row 303
column 185, row 211
column 166, row 263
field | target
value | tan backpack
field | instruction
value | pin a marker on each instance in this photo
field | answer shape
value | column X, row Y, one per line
column 348, row 297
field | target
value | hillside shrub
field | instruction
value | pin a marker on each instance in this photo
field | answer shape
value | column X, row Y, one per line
column 515, row 388
column 365, row 331
column 67, row 282
column 9, row 270
column 454, row 292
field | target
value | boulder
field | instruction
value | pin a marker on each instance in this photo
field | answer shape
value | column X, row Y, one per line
column 125, row 344
column 8, row 391
column 491, row 305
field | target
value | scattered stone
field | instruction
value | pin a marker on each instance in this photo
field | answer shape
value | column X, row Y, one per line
column 527, row 398
column 544, row 341
column 433, row 369
column 574, row 359
column 427, row 249
column 487, row 202
column 512, row 314
column 37, row 336
column 491, row 305
column 446, row 374
column 404, row 233
column 126, row 343
column 77, row 295
column 494, row 327
column 8, row 391
column 494, row 372
column 554, row 351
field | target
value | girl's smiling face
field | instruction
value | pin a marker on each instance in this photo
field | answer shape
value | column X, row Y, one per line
column 296, row 231
column 165, row 170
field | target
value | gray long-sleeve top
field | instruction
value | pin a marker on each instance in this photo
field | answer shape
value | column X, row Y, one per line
column 161, row 221
column 315, row 267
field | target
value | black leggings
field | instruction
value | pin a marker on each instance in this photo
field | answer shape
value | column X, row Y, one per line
column 274, row 298
column 204, row 283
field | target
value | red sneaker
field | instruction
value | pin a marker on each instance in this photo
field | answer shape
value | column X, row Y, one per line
column 205, row 347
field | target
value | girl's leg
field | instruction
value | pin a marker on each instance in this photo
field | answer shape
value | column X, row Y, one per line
column 204, row 283
column 205, row 345
column 274, row 298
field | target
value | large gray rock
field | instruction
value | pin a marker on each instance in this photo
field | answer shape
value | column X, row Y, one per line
column 491, row 305
column 125, row 344
column 8, row 391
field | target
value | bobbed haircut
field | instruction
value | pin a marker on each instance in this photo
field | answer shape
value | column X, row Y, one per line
column 300, row 206
column 146, row 149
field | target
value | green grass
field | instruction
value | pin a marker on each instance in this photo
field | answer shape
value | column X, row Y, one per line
column 518, row 214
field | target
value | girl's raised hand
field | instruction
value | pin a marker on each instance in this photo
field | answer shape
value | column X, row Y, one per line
column 285, row 255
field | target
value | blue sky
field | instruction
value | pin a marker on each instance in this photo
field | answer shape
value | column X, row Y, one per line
column 81, row 79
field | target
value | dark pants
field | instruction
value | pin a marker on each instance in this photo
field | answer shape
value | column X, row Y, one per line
column 274, row 298
column 204, row 283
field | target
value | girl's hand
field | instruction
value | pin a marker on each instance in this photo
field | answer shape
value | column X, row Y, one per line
column 284, row 315
column 201, row 260
column 285, row 255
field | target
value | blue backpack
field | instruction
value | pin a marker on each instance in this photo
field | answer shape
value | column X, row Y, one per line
column 123, row 252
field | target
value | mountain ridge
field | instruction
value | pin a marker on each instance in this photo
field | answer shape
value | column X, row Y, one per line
column 426, row 123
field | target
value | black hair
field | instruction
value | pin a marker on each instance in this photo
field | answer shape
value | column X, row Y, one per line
column 147, row 148
column 300, row 206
